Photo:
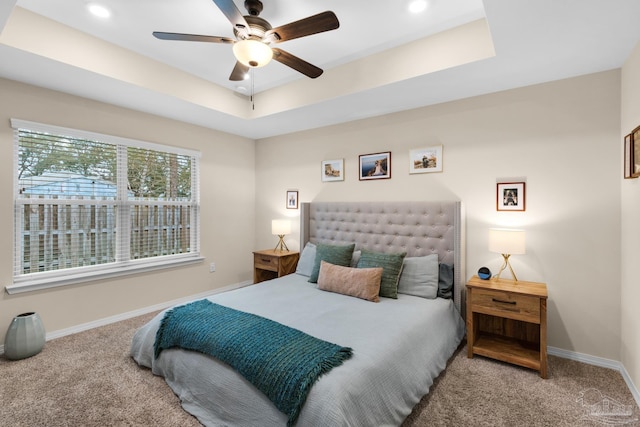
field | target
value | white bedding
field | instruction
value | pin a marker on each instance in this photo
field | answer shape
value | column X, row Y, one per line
column 399, row 348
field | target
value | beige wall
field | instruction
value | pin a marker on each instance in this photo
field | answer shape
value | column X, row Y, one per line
column 227, row 210
column 562, row 137
column 630, row 288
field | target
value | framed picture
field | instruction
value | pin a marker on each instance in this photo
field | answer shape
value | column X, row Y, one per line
column 628, row 157
column 375, row 166
column 332, row 170
column 425, row 160
column 292, row 199
column 635, row 141
column 510, row 196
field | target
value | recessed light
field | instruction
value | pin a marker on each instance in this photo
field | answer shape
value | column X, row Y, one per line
column 99, row 10
column 417, row 6
column 241, row 89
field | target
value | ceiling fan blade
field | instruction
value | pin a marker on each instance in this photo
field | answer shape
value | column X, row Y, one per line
column 296, row 63
column 191, row 37
column 233, row 15
column 325, row 21
column 239, row 72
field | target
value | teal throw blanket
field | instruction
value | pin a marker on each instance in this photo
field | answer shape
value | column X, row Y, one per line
column 280, row 361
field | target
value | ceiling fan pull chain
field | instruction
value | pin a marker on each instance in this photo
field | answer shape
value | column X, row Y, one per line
column 253, row 106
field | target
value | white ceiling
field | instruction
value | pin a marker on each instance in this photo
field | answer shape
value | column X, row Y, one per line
column 532, row 42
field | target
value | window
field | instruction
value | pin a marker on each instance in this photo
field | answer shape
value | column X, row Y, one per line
column 90, row 205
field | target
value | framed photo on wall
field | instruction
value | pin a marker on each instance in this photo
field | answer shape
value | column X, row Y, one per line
column 375, row 166
column 332, row 170
column 628, row 157
column 425, row 160
column 510, row 196
column 292, row 199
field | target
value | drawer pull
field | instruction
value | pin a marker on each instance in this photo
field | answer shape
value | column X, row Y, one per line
column 503, row 302
column 266, row 260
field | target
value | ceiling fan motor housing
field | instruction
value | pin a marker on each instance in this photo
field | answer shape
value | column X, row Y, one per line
column 257, row 28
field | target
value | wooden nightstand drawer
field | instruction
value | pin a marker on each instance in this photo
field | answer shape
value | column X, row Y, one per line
column 506, row 304
column 265, row 262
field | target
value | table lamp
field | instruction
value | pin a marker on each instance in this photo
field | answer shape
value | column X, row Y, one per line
column 280, row 228
column 506, row 242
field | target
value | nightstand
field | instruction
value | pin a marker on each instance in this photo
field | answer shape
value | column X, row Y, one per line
column 270, row 264
column 507, row 321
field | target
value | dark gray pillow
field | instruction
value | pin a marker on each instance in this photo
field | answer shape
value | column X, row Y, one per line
column 391, row 267
column 336, row 255
column 445, row 281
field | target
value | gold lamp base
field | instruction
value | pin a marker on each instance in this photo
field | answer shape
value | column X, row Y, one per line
column 506, row 264
column 281, row 246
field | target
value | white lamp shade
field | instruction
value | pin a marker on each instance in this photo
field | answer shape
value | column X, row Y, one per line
column 252, row 53
column 504, row 241
column 280, row 227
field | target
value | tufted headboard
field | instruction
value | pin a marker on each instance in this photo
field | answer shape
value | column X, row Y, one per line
column 417, row 228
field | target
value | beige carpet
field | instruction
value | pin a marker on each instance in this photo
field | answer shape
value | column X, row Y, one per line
column 88, row 379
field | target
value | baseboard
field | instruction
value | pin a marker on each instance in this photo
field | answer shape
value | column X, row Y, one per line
column 124, row 316
column 598, row 361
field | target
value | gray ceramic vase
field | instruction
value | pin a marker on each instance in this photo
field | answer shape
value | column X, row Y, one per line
column 25, row 336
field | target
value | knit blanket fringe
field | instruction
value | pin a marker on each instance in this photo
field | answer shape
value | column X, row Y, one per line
column 281, row 362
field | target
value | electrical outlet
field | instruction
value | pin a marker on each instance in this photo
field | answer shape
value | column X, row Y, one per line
column 212, row 267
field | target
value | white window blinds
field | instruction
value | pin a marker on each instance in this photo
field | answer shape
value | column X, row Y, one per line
column 88, row 205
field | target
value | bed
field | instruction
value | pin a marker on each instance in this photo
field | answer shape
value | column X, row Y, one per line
column 400, row 345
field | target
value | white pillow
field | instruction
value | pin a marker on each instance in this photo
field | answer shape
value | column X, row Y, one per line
column 419, row 276
column 355, row 258
column 307, row 260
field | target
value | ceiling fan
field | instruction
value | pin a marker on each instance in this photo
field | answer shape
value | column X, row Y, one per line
column 254, row 36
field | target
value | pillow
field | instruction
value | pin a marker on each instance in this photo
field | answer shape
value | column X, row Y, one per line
column 419, row 276
column 445, row 281
column 356, row 282
column 355, row 258
column 392, row 266
column 307, row 258
column 338, row 255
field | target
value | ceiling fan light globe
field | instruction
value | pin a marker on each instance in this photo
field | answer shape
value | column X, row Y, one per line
column 252, row 53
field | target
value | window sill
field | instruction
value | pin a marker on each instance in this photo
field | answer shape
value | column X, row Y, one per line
column 62, row 278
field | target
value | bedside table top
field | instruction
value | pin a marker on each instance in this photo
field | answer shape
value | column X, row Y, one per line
column 273, row 252
column 520, row 287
